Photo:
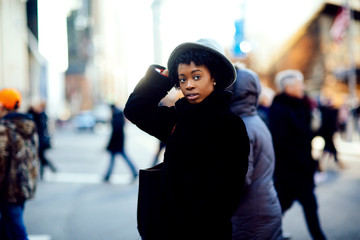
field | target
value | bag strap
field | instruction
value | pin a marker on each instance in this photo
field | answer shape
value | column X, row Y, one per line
column 10, row 136
column 172, row 131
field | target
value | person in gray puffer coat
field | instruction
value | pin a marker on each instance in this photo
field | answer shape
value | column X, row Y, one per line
column 259, row 213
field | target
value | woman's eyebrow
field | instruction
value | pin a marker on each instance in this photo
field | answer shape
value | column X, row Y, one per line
column 196, row 70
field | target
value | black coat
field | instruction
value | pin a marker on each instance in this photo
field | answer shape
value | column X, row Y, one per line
column 41, row 120
column 116, row 142
column 205, row 161
column 289, row 123
column 328, row 126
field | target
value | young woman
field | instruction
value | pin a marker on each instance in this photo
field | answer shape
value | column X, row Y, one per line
column 207, row 146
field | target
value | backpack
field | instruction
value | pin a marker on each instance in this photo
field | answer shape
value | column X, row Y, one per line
column 21, row 163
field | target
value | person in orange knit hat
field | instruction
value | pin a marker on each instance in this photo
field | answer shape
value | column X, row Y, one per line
column 18, row 164
column 10, row 98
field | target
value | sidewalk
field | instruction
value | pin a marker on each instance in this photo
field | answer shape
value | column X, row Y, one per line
column 346, row 147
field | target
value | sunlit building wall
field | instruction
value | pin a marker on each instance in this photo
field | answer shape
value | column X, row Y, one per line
column 123, row 46
column 14, row 58
column 53, row 47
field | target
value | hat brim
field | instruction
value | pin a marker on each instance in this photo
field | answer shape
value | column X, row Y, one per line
column 228, row 74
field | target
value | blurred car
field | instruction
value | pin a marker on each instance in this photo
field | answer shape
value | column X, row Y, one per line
column 85, row 121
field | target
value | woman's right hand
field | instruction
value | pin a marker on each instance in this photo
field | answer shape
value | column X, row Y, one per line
column 165, row 72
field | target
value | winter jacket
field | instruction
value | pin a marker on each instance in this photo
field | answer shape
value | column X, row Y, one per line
column 329, row 124
column 41, row 121
column 205, row 160
column 259, row 213
column 116, row 142
column 18, row 158
column 290, row 127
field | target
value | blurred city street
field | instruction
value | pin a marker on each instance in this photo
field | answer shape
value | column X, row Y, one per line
column 75, row 204
column 73, row 58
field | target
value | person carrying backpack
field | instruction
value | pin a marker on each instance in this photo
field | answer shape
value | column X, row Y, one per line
column 18, row 164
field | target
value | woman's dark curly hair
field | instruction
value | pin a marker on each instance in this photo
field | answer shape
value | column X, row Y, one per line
column 200, row 58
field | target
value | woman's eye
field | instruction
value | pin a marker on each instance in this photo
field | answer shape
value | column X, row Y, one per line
column 196, row 77
column 182, row 80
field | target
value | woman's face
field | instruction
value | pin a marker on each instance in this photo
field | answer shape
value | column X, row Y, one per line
column 195, row 82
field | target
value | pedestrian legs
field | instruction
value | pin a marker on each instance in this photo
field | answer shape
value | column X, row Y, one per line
column 131, row 165
column 157, row 154
column 309, row 204
column 111, row 166
column 286, row 196
column 44, row 162
column 11, row 221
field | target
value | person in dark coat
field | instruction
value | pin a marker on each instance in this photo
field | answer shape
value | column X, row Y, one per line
column 259, row 213
column 329, row 126
column 207, row 147
column 116, row 143
column 289, row 119
column 18, row 164
column 41, row 119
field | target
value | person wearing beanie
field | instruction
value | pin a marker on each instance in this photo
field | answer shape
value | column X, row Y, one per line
column 18, row 164
column 207, row 146
column 259, row 213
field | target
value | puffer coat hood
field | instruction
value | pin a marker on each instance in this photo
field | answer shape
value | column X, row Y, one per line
column 246, row 91
column 259, row 213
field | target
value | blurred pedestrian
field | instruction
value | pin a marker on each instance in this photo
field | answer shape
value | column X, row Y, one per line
column 207, row 146
column 156, row 159
column 41, row 120
column 343, row 121
column 329, row 126
column 18, row 164
column 265, row 100
column 169, row 100
column 290, row 126
column 116, row 143
column 259, row 213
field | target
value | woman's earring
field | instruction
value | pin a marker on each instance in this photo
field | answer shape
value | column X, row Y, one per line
column 214, row 83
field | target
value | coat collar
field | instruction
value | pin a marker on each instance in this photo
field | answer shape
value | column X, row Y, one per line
column 218, row 101
column 288, row 100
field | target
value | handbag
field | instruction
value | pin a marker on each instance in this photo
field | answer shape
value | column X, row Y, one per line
column 150, row 202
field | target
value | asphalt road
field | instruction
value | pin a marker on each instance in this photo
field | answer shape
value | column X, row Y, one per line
column 74, row 203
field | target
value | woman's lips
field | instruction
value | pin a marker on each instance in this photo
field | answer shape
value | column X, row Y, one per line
column 192, row 96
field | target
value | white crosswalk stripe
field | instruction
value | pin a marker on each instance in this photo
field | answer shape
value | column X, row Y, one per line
column 90, row 178
column 39, row 237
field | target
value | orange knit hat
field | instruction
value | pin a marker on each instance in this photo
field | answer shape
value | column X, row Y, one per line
column 10, row 98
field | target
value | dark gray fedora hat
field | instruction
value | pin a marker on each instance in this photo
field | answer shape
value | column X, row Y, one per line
column 228, row 74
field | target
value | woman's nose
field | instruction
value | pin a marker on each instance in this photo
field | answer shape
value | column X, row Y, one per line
column 190, row 84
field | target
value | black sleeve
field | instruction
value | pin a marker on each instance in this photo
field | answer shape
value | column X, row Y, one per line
column 142, row 107
column 233, row 152
column 237, row 155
